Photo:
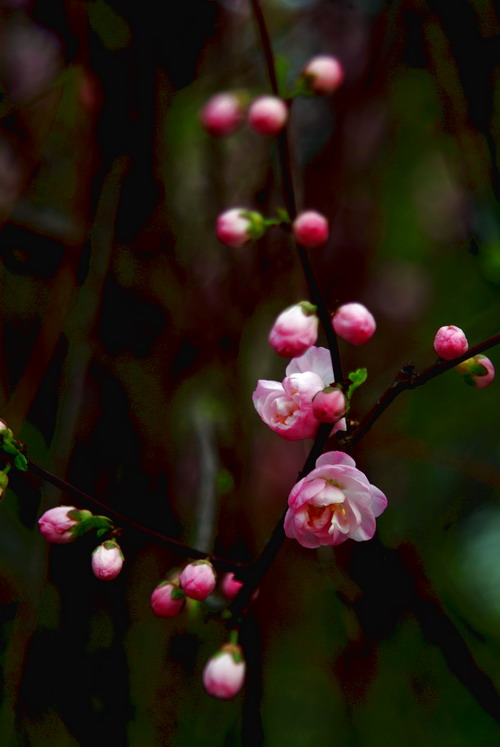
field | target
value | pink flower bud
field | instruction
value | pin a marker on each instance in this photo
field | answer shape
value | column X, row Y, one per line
column 329, row 405
column 224, row 673
column 323, row 74
column 450, row 342
column 107, row 560
column 237, row 226
column 267, row 115
column 198, row 580
column 295, row 330
column 56, row 526
column 230, row 586
column 167, row 600
column 310, row 229
column 354, row 323
column 478, row 371
column 222, row 114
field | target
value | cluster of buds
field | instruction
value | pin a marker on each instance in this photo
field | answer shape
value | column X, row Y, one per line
column 196, row 581
column 224, row 113
column 296, row 328
column 237, row 226
column 450, row 342
column 64, row 524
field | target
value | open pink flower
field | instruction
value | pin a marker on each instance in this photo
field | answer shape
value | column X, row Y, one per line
column 334, row 502
column 287, row 407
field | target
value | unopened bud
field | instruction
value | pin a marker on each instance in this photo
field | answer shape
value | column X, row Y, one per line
column 224, row 673
column 267, row 115
column 354, row 323
column 295, row 330
column 223, row 114
column 107, row 560
column 329, row 406
column 198, row 579
column 167, row 600
column 323, row 74
column 56, row 526
column 310, row 229
column 478, row 371
column 237, row 226
column 450, row 342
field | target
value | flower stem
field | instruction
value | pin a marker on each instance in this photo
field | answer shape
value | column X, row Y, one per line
column 175, row 545
column 408, row 379
column 285, row 164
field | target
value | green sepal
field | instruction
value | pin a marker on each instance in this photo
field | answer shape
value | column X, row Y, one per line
column 87, row 521
column 21, row 463
column 477, row 369
column 356, row 378
column 308, row 308
column 256, row 228
column 177, row 594
column 9, row 447
column 237, row 657
column 301, row 88
column 283, row 215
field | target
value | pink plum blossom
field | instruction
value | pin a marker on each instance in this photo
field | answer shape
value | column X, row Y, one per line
column 287, row 407
column 333, row 502
column 329, row 405
column 323, row 74
column 237, row 226
column 267, row 115
column 198, row 579
column 478, row 371
column 450, row 342
column 107, row 560
column 354, row 323
column 310, row 229
column 56, row 526
column 224, row 673
column 167, row 600
column 295, row 330
column 222, row 114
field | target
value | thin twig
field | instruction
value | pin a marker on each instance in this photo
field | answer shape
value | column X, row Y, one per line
column 285, row 164
column 175, row 545
column 408, row 379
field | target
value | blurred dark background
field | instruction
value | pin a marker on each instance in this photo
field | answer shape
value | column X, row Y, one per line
column 131, row 343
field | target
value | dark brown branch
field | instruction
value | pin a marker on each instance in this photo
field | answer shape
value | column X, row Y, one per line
column 290, row 201
column 175, row 545
column 408, row 379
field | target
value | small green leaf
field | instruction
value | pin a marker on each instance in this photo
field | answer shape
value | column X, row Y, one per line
column 283, row 216
column 356, row 378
